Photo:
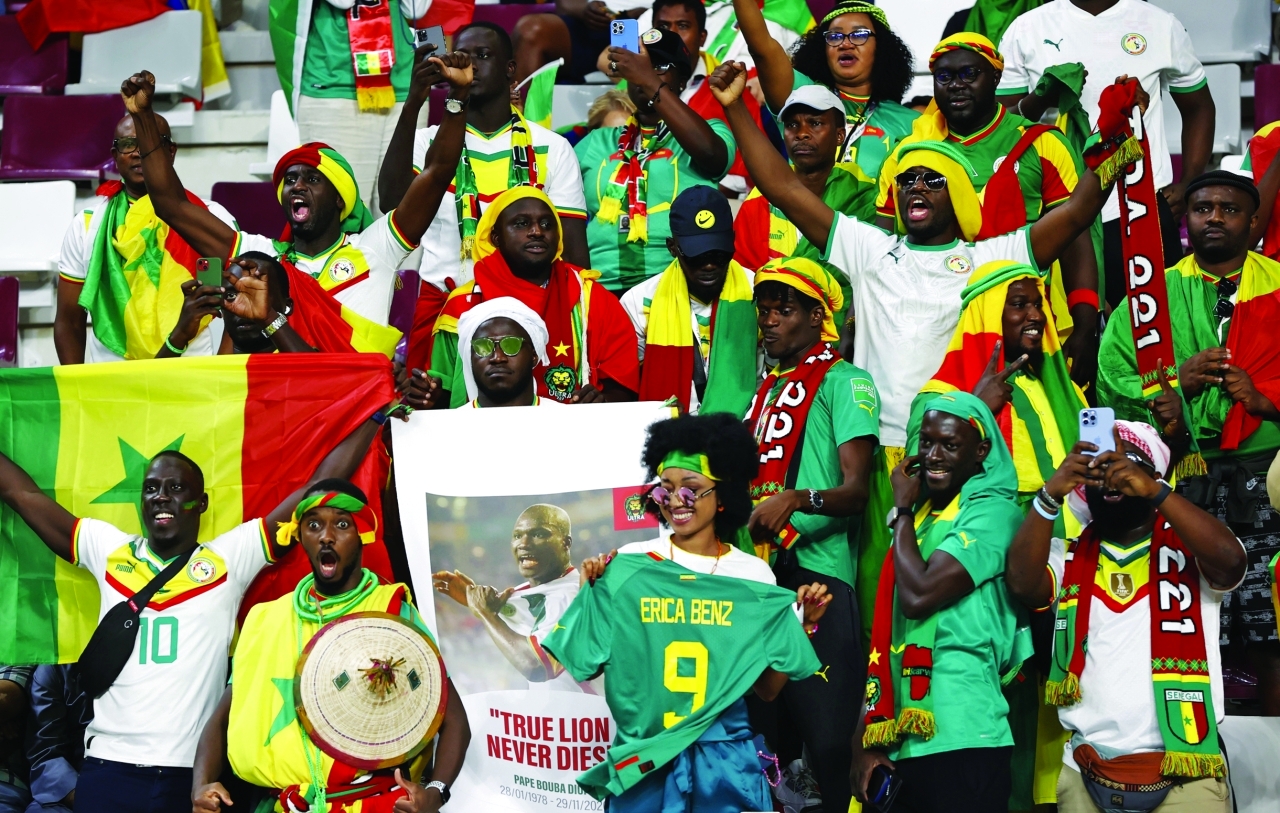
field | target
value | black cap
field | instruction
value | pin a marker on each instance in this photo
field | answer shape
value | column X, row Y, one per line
column 702, row 221
column 1221, row 177
column 666, row 48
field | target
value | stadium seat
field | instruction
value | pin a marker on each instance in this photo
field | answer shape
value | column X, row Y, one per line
column 282, row 135
column 404, row 298
column 919, row 23
column 254, row 206
column 1237, row 31
column 56, row 137
column 1224, row 85
column 171, row 43
column 25, row 71
column 1232, row 163
column 507, row 15
column 36, row 218
column 1266, row 95
column 8, row 321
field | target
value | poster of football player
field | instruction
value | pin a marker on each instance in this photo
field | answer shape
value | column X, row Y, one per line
column 498, row 509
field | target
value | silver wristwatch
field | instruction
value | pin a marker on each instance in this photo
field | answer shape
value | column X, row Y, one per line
column 440, row 786
column 815, row 501
column 454, row 105
column 280, row 321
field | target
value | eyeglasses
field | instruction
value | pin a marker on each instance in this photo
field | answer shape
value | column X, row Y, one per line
column 1138, row 459
column 932, row 181
column 857, row 36
column 509, row 345
column 664, row 68
column 968, row 74
column 687, row 496
column 1226, row 289
column 128, row 144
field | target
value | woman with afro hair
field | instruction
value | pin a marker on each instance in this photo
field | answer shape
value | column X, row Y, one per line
column 853, row 52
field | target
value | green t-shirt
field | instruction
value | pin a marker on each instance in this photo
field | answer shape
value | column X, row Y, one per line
column 676, row 648
column 889, row 123
column 328, row 71
column 977, row 638
column 624, row 265
column 846, row 406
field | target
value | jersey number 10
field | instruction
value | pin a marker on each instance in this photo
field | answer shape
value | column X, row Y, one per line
column 695, row 684
column 163, row 633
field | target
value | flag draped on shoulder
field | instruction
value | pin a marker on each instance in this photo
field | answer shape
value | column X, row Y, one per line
column 330, row 326
column 256, row 425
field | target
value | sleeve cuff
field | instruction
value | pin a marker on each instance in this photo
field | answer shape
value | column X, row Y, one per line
column 405, row 243
column 1053, row 594
column 51, row 781
column 1011, row 91
column 1204, row 82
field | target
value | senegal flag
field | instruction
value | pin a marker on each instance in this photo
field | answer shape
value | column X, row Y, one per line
column 256, row 425
column 542, row 84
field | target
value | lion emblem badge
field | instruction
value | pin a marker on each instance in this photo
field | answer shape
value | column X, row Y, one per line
column 561, row 382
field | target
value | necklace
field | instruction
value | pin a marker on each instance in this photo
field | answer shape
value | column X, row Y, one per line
column 671, row 551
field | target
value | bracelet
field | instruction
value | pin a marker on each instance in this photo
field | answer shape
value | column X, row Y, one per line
column 280, row 321
column 1017, row 108
column 379, row 417
column 1165, row 491
column 654, row 100
column 176, row 351
column 1041, row 509
column 1083, row 296
column 1049, row 501
column 812, row 632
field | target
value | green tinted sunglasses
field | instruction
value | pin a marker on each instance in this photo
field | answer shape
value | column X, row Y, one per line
column 509, row 345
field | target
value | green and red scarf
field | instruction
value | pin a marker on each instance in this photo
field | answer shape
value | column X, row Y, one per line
column 670, row 344
column 522, row 170
column 779, row 423
column 1179, row 662
column 628, row 184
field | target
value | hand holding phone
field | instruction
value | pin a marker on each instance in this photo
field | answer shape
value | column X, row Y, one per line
column 625, row 34
column 1096, row 425
column 883, row 789
column 209, row 272
column 431, row 35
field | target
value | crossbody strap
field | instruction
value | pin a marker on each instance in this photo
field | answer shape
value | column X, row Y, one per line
column 142, row 598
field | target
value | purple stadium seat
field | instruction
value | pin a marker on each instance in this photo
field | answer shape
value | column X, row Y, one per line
column 1266, row 95
column 25, row 71
column 403, row 300
column 49, row 138
column 507, row 14
column 8, row 321
column 254, row 206
column 821, row 8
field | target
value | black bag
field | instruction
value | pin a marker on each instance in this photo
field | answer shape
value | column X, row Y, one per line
column 112, row 642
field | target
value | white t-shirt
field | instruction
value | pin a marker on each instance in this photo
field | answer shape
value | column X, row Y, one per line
column 1118, row 711
column 636, row 303
column 1132, row 37
column 906, row 298
column 154, row 712
column 533, row 612
column 73, row 264
column 490, row 161
column 735, row 564
column 341, row 269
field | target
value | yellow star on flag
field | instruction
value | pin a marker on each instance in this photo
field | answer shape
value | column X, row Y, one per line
column 875, row 656
column 561, row 349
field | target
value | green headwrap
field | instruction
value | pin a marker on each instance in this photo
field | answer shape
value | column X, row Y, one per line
column 683, row 460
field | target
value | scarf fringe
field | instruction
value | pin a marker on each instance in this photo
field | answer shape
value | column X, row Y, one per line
column 1116, row 162
column 468, row 246
column 376, row 100
column 917, row 721
column 880, row 734
column 1196, row 766
column 610, row 209
column 1065, row 692
column 1193, row 465
column 639, row 231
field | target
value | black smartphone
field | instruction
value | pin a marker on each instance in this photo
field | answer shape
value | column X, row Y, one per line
column 883, row 789
column 209, row 271
column 431, row 35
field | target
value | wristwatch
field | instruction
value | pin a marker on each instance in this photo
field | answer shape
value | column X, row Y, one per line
column 895, row 513
column 815, row 501
column 280, row 321
column 453, row 105
column 440, row 786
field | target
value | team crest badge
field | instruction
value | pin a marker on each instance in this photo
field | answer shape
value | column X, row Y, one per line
column 958, row 264
column 633, row 507
column 342, row 270
column 1121, row 585
column 507, row 610
column 201, row 570
column 561, row 382
column 995, row 166
column 873, row 691
column 1133, row 44
column 1187, row 718
column 651, row 36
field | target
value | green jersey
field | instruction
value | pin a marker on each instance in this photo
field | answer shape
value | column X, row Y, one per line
column 847, row 406
column 888, row 124
column 625, row 264
column 677, row 648
column 327, row 69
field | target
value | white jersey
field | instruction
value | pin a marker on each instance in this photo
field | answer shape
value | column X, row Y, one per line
column 359, row 270
column 906, row 298
column 735, row 564
column 73, row 265
column 1117, row 710
column 154, row 712
column 533, row 612
column 490, row 157
column 1132, row 37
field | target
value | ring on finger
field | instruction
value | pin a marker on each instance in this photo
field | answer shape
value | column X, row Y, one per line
column 613, row 67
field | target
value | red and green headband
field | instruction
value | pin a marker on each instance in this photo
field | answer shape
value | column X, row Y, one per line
column 366, row 520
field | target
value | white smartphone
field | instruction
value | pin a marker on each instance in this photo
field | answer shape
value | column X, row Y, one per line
column 1096, row 425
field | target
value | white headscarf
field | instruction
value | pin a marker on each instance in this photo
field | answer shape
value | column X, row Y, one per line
column 1148, row 440
column 503, row 306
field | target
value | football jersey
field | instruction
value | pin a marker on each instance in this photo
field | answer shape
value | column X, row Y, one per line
column 532, row 612
column 676, row 648
column 154, row 712
column 906, row 298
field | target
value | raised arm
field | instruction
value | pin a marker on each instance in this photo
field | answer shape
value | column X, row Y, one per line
column 1053, row 233
column 769, row 169
column 202, row 229
column 486, row 604
column 396, row 173
column 1197, row 111
column 773, row 66
column 419, row 205
column 51, row 522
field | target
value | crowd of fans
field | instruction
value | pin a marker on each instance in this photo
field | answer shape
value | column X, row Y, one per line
column 882, row 349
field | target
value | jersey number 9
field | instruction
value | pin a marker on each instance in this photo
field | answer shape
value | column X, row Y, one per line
column 695, row 684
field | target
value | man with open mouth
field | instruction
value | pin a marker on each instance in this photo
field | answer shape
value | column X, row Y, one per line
column 330, row 234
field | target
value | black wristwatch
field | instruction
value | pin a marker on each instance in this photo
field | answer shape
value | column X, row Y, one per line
column 895, row 514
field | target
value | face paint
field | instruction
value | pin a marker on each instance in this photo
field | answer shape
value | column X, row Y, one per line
column 187, row 506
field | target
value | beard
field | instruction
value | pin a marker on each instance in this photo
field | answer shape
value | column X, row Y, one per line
column 1035, row 356
column 1116, row 518
column 1218, row 252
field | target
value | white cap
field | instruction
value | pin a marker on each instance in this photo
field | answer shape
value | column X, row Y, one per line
column 818, row 97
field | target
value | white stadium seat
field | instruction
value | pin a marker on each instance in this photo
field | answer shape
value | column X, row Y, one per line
column 1237, row 31
column 168, row 46
column 1224, row 85
column 282, row 135
column 919, row 23
column 36, row 218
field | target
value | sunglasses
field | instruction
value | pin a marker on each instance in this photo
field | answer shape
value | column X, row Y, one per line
column 128, row 144
column 687, row 496
column 968, row 74
column 1226, row 289
column 932, row 181
column 857, row 36
column 509, row 345
column 1138, row 459
column 664, row 68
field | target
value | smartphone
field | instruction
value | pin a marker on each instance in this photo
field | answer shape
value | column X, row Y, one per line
column 625, row 34
column 209, row 271
column 431, row 35
column 883, row 789
column 1096, row 427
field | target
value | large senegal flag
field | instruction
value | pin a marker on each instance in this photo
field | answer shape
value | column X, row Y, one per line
column 669, row 351
column 1257, row 159
column 257, row 426
column 132, row 287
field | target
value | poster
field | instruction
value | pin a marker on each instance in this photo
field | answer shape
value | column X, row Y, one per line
column 498, row 509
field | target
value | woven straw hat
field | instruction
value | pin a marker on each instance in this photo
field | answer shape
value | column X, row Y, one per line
column 370, row 690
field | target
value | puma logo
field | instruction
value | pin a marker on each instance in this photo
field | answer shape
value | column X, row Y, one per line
column 822, row 673
column 1057, row 45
